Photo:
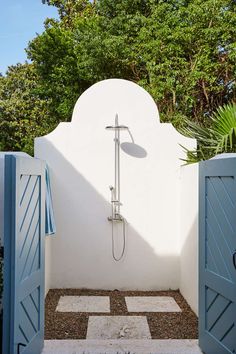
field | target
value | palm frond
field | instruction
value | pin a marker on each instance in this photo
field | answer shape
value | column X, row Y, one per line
column 219, row 137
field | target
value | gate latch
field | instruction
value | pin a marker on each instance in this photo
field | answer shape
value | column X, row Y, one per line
column 234, row 259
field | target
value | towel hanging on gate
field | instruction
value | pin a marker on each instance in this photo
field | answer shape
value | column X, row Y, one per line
column 50, row 226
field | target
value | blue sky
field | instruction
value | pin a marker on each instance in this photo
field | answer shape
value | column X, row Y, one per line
column 20, row 20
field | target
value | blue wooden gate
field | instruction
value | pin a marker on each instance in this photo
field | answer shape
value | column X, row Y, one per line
column 24, row 230
column 217, row 256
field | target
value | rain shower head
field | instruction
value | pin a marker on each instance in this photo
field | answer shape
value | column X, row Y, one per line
column 117, row 127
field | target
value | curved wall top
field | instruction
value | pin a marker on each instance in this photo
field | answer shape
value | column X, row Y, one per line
column 81, row 158
column 108, row 97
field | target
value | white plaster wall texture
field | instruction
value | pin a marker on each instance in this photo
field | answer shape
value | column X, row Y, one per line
column 81, row 158
column 189, row 235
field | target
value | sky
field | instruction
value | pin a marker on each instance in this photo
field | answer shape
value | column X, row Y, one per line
column 20, row 20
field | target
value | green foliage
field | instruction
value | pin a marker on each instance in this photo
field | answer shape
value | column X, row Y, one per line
column 219, row 137
column 183, row 52
column 192, row 156
column 224, row 126
column 23, row 114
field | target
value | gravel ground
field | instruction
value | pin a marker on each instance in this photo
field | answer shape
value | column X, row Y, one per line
column 164, row 325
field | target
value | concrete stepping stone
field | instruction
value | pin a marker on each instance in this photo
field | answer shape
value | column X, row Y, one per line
column 118, row 327
column 83, row 304
column 151, row 304
column 151, row 346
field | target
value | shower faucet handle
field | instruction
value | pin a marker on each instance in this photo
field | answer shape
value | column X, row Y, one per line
column 111, row 188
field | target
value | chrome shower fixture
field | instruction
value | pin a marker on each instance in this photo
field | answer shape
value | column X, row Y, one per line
column 117, row 127
column 115, row 190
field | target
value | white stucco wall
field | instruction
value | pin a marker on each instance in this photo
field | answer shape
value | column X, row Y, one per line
column 189, row 235
column 81, row 159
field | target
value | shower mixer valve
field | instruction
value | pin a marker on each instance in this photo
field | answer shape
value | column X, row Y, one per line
column 116, row 216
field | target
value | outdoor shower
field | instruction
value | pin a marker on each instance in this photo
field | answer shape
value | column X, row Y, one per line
column 116, row 216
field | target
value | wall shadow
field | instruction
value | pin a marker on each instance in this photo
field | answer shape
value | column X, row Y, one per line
column 81, row 254
column 189, row 266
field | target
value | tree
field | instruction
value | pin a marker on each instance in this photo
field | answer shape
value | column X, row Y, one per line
column 23, row 113
column 181, row 51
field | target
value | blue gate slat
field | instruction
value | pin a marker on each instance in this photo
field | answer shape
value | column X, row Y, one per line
column 25, row 230
column 213, row 219
column 30, row 308
column 217, row 244
column 224, row 203
column 28, row 192
column 218, row 283
column 25, row 213
column 29, row 284
column 225, row 249
column 210, row 260
column 28, row 228
column 9, row 249
column 26, row 234
column 35, row 263
column 224, row 324
column 23, row 258
column 216, row 251
column 216, row 214
column 211, row 296
column 24, row 181
column 229, row 340
column 216, row 311
column 212, row 346
column 29, row 316
column 30, row 253
column 22, row 336
column 228, row 186
column 217, row 223
column 216, row 208
column 35, row 298
column 26, row 324
column 35, row 346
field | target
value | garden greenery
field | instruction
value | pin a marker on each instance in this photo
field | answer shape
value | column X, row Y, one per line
column 219, row 137
column 183, row 52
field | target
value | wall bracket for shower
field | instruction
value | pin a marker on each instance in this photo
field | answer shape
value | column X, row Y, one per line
column 115, row 190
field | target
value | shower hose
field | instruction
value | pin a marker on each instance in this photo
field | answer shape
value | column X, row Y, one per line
column 117, row 259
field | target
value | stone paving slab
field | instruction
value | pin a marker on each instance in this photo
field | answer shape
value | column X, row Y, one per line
column 118, row 327
column 154, row 346
column 151, row 304
column 83, row 304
